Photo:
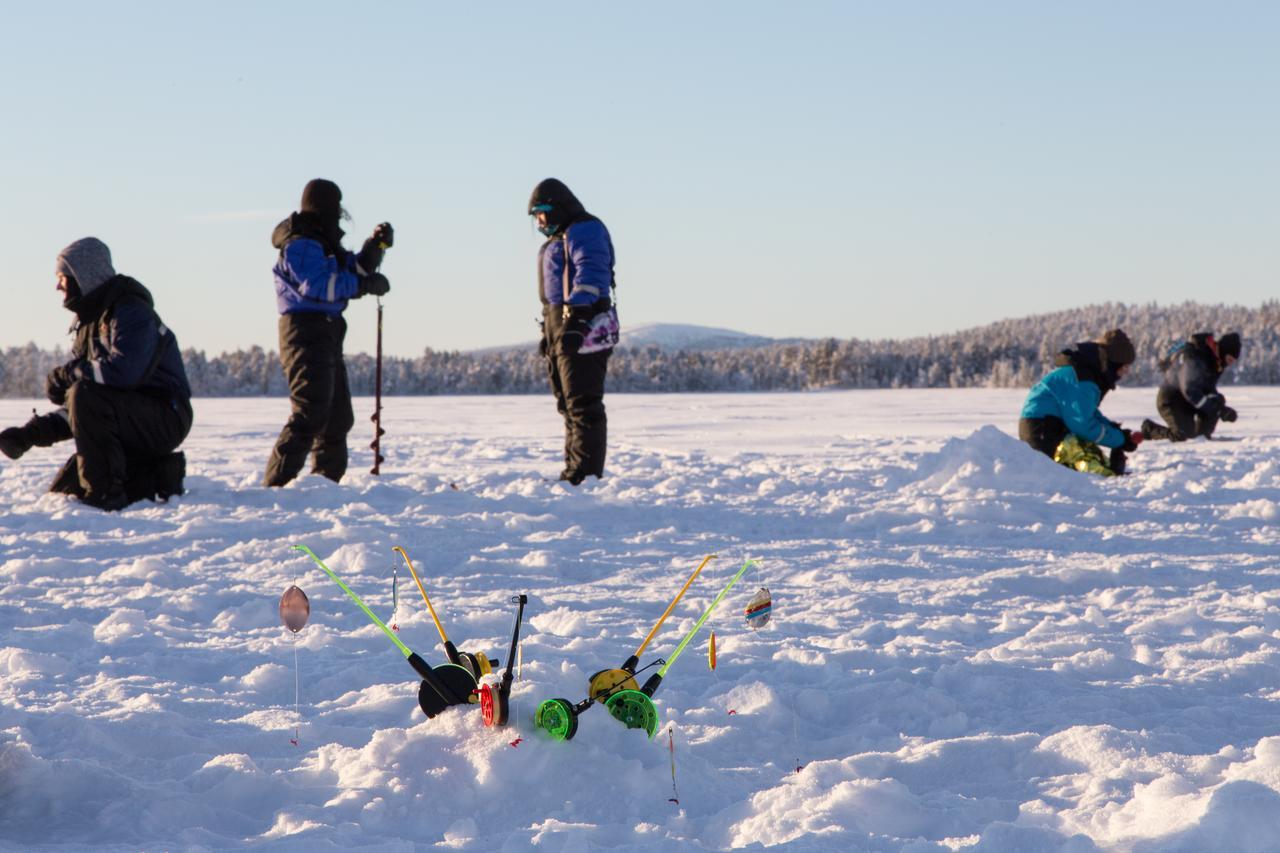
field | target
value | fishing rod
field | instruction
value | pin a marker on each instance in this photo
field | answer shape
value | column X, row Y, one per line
column 495, row 704
column 634, row 708
column 442, row 686
column 476, row 662
column 559, row 717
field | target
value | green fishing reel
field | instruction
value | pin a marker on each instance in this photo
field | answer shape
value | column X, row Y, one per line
column 635, row 710
column 557, row 718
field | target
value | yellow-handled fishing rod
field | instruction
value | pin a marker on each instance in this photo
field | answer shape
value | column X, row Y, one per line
column 478, row 663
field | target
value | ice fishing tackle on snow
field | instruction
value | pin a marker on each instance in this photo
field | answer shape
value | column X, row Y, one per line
column 634, row 708
column 477, row 663
column 442, row 686
column 495, row 704
column 295, row 609
column 559, row 717
column 759, row 609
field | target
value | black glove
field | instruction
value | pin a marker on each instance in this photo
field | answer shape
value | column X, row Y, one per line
column 1228, row 414
column 384, row 235
column 56, row 384
column 374, row 284
column 1132, row 439
column 41, row 431
column 577, row 322
column 14, row 442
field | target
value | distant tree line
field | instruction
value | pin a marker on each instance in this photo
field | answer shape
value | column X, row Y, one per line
column 1008, row 354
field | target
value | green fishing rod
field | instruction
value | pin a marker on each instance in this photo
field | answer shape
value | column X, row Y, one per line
column 634, row 708
column 441, row 686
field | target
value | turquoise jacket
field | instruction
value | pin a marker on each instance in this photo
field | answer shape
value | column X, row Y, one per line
column 1063, row 395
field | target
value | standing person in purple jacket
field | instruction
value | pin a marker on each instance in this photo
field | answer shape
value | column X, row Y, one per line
column 315, row 277
column 579, row 322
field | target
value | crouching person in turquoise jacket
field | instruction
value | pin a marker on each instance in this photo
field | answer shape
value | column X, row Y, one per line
column 1061, row 418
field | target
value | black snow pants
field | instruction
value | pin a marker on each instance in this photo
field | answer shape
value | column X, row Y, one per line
column 1044, row 434
column 577, row 381
column 121, row 436
column 311, row 355
column 1183, row 420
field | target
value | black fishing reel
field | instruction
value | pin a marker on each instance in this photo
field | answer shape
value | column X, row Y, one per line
column 442, row 686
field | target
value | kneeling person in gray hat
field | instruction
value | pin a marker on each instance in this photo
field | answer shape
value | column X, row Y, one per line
column 123, row 397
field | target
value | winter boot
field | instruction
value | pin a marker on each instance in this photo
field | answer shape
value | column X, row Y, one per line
column 1154, row 431
column 40, row 431
column 67, row 480
column 156, row 479
column 1118, row 461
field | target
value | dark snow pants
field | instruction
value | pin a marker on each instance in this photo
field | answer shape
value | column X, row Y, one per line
column 1183, row 419
column 577, row 382
column 117, row 433
column 311, row 355
column 1044, row 434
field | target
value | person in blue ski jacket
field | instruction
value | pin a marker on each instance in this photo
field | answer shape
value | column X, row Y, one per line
column 1065, row 402
column 579, row 322
column 315, row 277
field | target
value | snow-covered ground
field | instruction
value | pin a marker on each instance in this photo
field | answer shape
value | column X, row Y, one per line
column 971, row 648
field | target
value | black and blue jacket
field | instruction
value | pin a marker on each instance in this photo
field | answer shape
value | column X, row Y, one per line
column 586, row 247
column 1192, row 370
column 119, row 341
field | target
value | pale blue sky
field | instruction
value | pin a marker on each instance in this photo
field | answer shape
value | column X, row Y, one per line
column 788, row 169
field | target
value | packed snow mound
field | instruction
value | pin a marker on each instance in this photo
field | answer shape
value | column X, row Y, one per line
column 989, row 458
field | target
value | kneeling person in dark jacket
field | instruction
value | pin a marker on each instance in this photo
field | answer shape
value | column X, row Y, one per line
column 1188, row 399
column 1061, row 418
column 124, row 394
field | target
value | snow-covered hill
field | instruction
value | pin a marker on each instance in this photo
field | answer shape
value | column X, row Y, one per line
column 971, row 649
column 689, row 337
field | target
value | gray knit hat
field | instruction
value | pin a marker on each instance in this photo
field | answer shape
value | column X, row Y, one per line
column 88, row 261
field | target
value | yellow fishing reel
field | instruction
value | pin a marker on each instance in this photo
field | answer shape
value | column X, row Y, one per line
column 478, row 663
column 609, row 681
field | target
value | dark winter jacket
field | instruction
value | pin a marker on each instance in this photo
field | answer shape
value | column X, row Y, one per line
column 120, row 342
column 1192, row 370
column 314, row 273
column 1072, row 393
column 586, row 246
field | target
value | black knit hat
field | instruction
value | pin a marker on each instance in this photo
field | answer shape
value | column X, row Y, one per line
column 1118, row 347
column 1229, row 345
column 322, row 198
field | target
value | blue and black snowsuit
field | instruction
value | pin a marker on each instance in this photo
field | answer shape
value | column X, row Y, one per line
column 315, row 277
column 1188, row 398
column 575, row 280
column 1066, row 402
column 126, row 398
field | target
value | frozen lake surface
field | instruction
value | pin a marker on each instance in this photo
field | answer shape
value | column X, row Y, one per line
column 971, row 647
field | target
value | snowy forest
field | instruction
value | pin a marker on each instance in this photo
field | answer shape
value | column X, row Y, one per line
column 1010, row 353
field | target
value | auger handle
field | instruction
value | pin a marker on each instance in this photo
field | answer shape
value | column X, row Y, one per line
column 656, row 679
column 448, row 646
column 634, row 659
column 367, row 612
